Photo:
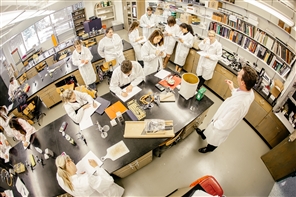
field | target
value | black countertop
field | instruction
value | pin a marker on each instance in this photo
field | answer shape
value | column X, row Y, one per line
column 42, row 181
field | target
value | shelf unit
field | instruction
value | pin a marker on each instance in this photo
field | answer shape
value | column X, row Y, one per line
column 79, row 17
column 132, row 11
column 107, row 13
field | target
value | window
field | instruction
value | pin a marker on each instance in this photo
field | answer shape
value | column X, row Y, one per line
column 62, row 20
column 44, row 29
column 17, row 42
column 30, row 37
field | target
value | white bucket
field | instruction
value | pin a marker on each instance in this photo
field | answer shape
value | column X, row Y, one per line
column 188, row 85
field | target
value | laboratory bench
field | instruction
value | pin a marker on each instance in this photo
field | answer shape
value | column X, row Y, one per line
column 41, row 181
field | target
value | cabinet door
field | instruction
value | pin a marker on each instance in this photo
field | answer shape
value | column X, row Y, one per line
column 189, row 61
column 125, row 171
column 31, row 73
column 216, row 83
column 272, row 130
column 195, row 63
column 129, row 55
column 144, row 160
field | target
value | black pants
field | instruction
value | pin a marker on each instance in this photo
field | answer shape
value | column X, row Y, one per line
column 201, row 82
column 211, row 147
column 141, row 62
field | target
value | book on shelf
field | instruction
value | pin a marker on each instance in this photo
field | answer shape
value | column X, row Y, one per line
column 231, row 34
column 272, row 60
column 266, row 57
column 269, row 42
column 260, row 51
column 234, row 36
column 285, row 71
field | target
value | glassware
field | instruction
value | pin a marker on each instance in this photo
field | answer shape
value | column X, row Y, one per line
column 103, row 130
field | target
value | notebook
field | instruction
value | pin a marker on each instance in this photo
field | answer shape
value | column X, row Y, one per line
column 104, row 104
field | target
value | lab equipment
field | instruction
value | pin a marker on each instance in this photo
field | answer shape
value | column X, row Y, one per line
column 200, row 93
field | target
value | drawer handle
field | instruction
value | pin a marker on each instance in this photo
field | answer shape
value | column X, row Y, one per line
column 131, row 166
column 261, row 102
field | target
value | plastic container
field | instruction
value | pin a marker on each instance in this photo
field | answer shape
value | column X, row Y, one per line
column 189, row 84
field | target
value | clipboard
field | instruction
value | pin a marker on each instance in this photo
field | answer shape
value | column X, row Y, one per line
column 104, row 104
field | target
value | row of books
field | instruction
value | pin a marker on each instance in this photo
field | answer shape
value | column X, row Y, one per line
column 263, row 38
column 283, row 52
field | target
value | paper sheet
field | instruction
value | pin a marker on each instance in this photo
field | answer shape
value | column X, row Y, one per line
column 201, row 193
column 8, row 193
column 10, row 107
column 202, row 53
column 21, row 188
column 162, row 74
column 135, row 91
column 143, row 40
column 86, row 120
column 84, row 166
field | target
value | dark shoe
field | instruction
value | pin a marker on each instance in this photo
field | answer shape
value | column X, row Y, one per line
column 200, row 132
column 203, row 150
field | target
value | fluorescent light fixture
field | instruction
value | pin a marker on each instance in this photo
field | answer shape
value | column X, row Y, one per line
column 6, row 17
column 272, row 11
column 25, row 15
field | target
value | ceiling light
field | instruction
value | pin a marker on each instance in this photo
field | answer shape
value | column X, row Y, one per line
column 25, row 15
column 272, row 11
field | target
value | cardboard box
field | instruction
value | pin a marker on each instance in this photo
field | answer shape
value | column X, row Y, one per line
column 214, row 4
column 277, row 88
column 186, row 18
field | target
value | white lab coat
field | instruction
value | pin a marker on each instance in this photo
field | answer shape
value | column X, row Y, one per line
column 152, row 63
column 5, row 124
column 4, row 149
column 13, row 87
column 120, row 79
column 182, row 49
column 86, row 70
column 27, row 127
column 170, row 41
column 207, row 66
column 81, row 98
column 98, row 184
column 228, row 116
column 111, row 48
column 145, row 21
column 137, row 46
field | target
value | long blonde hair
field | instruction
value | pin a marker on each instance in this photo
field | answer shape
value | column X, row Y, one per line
column 66, row 95
column 62, row 171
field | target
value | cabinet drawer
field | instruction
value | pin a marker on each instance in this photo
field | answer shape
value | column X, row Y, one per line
column 31, row 73
column 224, row 71
column 144, row 160
column 262, row 102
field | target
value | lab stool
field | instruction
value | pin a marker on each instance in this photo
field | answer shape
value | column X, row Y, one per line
column 209, row 184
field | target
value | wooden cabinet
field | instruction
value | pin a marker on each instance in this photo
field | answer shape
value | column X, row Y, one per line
column 134, row 166
column 217, row 83
column 132, row 11
column 31, row 73
column 49, row 96
column 79, row 17
column 194, row 124
column 280, row 161
column 272, row 129
column 129, row 55
column 191, row 61
column 106, row 12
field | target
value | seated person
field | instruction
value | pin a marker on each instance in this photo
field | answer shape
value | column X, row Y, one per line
column 99, row 183
column 4, row 147
column 13, row 86
column 75, row 103
column 22, row 130
column 129, row 75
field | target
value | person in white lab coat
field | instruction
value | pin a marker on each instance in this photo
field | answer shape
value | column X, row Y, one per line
column 212, row 52
column 231, row 111
column 98, row 183
column 13, row 86
column 134, row 38
column 4, row 147
column 185, row 42
column 170, row 32
column 110, row 47
column 129, row 75
column 75, row 103
column 148, row 22
column 4, row 121
column 153, row 52
column 82, row 58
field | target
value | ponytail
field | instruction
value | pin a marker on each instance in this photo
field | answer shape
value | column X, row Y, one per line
column 188, row 27
column 62, row 172
column 14, row 124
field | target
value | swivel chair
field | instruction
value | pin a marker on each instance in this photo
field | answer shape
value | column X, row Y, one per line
column 33, row 111
column 107, row 69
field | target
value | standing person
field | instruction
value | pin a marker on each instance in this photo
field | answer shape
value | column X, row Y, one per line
column 134, row 37
column 82, row 58
column 110, row 47
column 207, row 63
column 22, row 130
column 153, row 53
column 13, row 86
column 4, row 121
column 76, row 102
column 232, row 110
column 128, row 75
column 98, row 183
column 148, row 22
column 185, row 42
column 170, row 32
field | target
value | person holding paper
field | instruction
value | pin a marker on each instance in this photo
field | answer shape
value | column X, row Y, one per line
column 128, row 75
column 76, row 102
column 82, row 58
column 207, row 63
column 22, row 130
column 148, row 22
column 13, row 86
column 185, row 42
column 170, row 32
column 98, row 183
column 153, row 52
column 110, row 47
column 134, row 38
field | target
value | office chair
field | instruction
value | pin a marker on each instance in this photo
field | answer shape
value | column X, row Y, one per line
column 107, row 69
column 23, row 78
column 34, row 108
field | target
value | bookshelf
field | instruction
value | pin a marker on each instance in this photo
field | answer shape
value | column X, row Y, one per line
column 132, row 11
column 106, row 13
column 79, row 17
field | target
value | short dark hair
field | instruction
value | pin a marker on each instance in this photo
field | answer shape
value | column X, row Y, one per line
column 154, row 34
column 171, row 20
column 108, row 29
column 149, row 8
column 126, row 66
column 249, row 77
column 77, row 42
column 11, row 79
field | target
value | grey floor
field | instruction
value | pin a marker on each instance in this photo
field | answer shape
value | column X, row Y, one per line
column 236, row 164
